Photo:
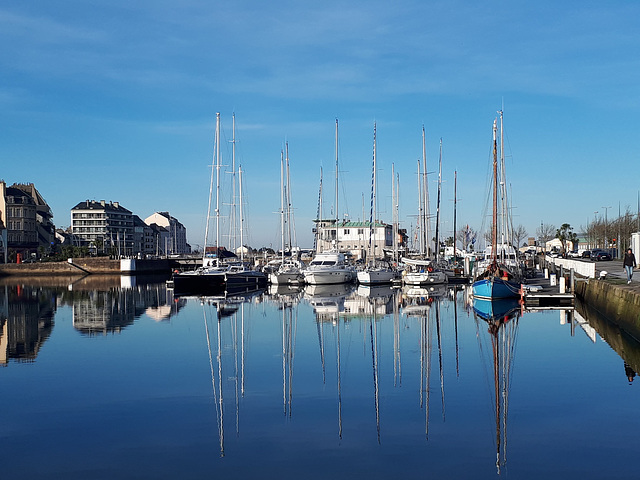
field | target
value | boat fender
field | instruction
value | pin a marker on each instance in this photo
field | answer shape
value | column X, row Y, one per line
column 430, row 269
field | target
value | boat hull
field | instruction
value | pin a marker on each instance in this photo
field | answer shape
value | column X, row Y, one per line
column 328, row 277
column 286, row 278
column 424, row 278
column 373, row 276
column 495, row 287
column 246, row 279
column 197, row 283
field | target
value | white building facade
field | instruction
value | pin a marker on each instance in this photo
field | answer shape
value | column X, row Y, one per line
column 177, row 233
column 354, row 238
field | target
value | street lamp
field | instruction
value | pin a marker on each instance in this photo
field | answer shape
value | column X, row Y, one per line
column 606, row 245
column 595, row 235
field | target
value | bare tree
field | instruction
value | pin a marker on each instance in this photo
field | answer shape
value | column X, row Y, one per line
column 519, row 233
column 545, row 232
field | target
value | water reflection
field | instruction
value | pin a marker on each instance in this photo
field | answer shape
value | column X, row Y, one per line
column 626, row 346
column 26, row 321
column 500, row 319
column 362, row 374
column 99, row 305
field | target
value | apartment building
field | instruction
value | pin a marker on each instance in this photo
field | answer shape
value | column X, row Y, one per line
column 105, row 227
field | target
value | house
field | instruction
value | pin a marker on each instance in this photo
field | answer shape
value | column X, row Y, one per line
column 356, row 238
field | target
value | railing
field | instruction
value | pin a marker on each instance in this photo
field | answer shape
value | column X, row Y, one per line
column 586, row 269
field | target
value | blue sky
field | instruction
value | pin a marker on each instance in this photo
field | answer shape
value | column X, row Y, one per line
column 117, row 100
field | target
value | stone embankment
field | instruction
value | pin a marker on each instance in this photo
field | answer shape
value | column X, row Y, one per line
column 618, row 303
column 76, row 266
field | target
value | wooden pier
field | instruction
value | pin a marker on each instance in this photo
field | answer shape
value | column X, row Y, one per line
column 541, row 293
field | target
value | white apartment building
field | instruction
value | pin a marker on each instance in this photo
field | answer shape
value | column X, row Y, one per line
column 103, row 227
column 177, row 242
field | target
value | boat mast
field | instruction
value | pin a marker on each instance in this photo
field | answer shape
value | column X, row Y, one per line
column 287, row 197
column 394, row 194
column 241, row 216
column 319, row 215
column 494, row 227
column 438, row 205
column 282, row 218
column 217, row 188
column 420, row 222
column 425, row 192
column 206, row 227
column 455, row 207
column 233, row 227
column 373, row 212
column 336, row 211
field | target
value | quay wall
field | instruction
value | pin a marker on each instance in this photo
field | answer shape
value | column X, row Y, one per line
column 77, row 266
column 620, row 304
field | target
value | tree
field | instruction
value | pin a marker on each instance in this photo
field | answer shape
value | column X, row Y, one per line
column 519, row 233
column 565, row 234
column 545, row 232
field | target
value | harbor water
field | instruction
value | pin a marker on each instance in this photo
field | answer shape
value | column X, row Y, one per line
column 109, row 377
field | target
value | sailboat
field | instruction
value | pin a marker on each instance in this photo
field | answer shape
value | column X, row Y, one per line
column 422, row 270
column 290, row 270
column 375, row 272
column 210, row 276
column 330, row 267
column 239, row 275
column 499, row 274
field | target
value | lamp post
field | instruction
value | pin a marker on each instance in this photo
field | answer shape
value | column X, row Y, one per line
column 606, row 245
column 595, row 235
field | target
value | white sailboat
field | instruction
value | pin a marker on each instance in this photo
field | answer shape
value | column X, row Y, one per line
column 330, row 267
column 240, row 275
column 290, row 269
column 376, row 271
column 422, row 270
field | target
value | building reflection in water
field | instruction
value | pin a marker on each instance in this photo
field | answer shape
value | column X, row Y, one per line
column 99, row 304
column 119, row 303
column 26, row 321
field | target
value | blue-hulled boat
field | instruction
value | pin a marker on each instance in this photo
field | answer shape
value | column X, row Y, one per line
column 499, row 275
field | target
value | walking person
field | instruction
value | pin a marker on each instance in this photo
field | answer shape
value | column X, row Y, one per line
column 629, row 264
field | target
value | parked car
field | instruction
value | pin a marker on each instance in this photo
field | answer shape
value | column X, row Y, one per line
column 601, row 256
column 573, row 254
column 586, row 254
column 594, row 253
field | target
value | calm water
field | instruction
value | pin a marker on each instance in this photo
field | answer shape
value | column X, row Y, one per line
column 104, row 379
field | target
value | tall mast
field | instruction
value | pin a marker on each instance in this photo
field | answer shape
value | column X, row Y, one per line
column 232, row 224
column 373, row 212
column 206, row 227
column 241, row 216
column 503, row 189
column 438, row 204
column 217, row 188
column 420, row 222
column 394, row 194
column 425, row 192
column 494, row 228
column 336, row 212
column 287, row 197
column 282, row 203
column 455, row 207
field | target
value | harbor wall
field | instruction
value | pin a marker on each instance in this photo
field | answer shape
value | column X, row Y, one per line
column 74, row 266
column 619, row 304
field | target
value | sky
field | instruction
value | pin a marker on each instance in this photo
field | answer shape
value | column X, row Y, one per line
column 116, row 101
